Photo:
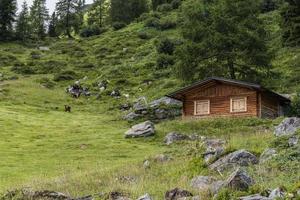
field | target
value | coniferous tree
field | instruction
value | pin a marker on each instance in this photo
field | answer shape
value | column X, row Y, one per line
column 98, row 13
column 291, row 23
column 52, row 29
column 79, row 15
column 127, row 10
column 66, row 12
column 38, row 17
column 223, row 38
column 7, row 17
column 23, row 23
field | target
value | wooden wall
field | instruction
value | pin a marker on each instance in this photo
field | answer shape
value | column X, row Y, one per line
column 219, row 95
column 269, row 107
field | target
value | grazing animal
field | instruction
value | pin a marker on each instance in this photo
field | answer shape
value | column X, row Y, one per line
column 68, row 108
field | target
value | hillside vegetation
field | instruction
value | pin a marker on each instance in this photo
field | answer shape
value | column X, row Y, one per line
column 84, row 152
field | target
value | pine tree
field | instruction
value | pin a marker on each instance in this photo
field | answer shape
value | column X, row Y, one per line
column 66, row 10
column 223, row 38
column 79, row 15
column 98, row 12
column 23, row 23
column 127, row 10
column 7, row 17
column 38, row 17
column 291, row 23
column 52, row 29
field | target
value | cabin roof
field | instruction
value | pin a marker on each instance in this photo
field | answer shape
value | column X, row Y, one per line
column 178, row 94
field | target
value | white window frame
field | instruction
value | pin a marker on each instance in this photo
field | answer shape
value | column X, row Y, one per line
column 239, row 111
column 195, row 107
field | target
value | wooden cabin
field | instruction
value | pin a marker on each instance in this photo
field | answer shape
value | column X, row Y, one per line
column 219, row 97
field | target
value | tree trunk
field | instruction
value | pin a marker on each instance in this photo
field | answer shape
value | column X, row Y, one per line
column 231, row 69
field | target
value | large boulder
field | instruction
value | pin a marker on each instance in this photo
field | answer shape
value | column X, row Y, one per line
column 237, row 158
column 144, row 129
column 254, row 197
column 267, row 155
column 165, row 101
column 177, row 193
column 277, row 193
column 287, row 127
column 239, row 180
column 214, row 149
column 175, row 137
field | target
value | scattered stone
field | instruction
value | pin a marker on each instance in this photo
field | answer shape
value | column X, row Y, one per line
column 267, row 155
column 239, row 180
column 288, row 126
column 202, row 182
column 237, row 158
column 146, row 164
column 254, row 197
column 175, row 137
column 44, row 48
column 293, row 141
column 115, row 93
column 161, row 158
column 117, row 196
column 76, row 90
column 277, row 193
column 144, row 129
column 50, row 195
column 145, row 197
column 176, row 194
column 103, row 85
column 214, row 149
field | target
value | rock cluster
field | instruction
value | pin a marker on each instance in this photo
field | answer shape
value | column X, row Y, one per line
column 164, row 108
column 214, row 149
column 76, row 90
column 287, row 127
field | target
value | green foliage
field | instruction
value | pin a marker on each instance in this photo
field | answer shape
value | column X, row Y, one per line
column 152, row 22
column 295, row 108
column 291, row 23
column 224, row 194
column 65, row 76
column 223, row 38
column 8, row 10
column 165, row 46
column 165, row 7
column 46, row 82
column 166, row 24
column 176, row 4
column 23, row 69
column 52, row 29
column 164, row 61
column 144, row 35
column 38, row 18
column 91, row 30
column 118, row 25
column 23, row 24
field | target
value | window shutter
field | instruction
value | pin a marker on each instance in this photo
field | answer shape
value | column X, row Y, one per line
column 238, row 104
column 202, row 107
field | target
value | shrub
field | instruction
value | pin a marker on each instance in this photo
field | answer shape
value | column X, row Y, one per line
column 295, row 108
column 65, row 76
column 118, row 25
column 92, row 30
column 46, row 82
column 176, row 4
column 165, row 7
column 51, row 66
column 144, row 35
column 164, row 60
column 165, row 46
column 152, row 22
column 167, row 24
column 23, row 69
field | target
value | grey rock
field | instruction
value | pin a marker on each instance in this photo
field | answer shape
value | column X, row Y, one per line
column 216, row 186
column 117, row 196
column 165, row 101
column 132, row 116
column 145, row 197
column 237, row 158
column 175, row 137
column 287, row 127
column 239, row 180
column 202, row 182
column 89, row 197
column 277, row 193
column 254, row 197
column 146, row 164
column 293, row 141
column 44, row 48
column 190, row 198
column 161, row 158
column 144, row 129
column 51, row 195
column 267, row 155
column 214, row 149
column 140, row 105
column 177, row 193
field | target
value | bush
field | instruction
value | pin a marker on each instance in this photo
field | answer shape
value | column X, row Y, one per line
column 92, row 30
column 51, row 66
column 118, row 25
column 295, row 108
column 152, row 22
column 165, row 7
column 165, row 46
column 176, row 4
column 167, row 24
column 144, row 35
column 65, row 76
column 23, row 69
column 164, row 60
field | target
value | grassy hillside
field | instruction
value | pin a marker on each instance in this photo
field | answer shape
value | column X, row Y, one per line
column 84, row 152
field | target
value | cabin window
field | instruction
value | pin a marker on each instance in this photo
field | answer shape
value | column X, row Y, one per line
column 238, row 104
column 202, row 107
